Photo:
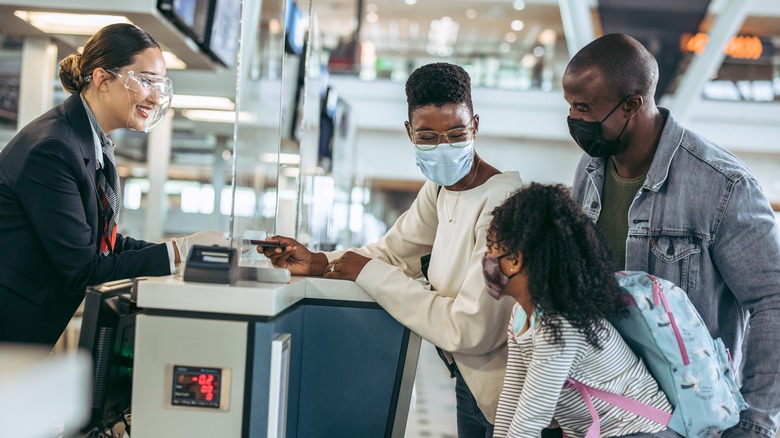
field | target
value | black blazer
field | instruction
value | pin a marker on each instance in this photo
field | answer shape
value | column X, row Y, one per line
column 49, row 228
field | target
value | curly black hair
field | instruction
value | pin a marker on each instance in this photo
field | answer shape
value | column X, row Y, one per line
column 439, row 84
column 570, row 268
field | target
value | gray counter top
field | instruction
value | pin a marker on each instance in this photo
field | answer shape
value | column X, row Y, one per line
column 243, row 298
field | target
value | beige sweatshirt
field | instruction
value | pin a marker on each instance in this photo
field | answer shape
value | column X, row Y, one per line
column 458, row 315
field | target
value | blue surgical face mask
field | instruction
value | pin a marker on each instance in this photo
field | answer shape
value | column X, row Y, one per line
column 446, row 164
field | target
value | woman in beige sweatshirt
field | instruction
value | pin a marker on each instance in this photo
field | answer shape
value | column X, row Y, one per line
column 448, row 220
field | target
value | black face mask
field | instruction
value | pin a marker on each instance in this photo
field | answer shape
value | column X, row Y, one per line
column 589, row 137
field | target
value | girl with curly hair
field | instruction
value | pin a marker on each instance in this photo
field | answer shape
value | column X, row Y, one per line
column 545, row 253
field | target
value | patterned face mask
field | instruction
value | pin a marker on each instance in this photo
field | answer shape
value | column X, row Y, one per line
column 495, row 280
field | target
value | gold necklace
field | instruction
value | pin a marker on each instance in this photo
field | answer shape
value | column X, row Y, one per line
column 457, row 198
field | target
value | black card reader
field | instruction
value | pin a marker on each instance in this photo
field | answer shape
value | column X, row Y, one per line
column 212, row 264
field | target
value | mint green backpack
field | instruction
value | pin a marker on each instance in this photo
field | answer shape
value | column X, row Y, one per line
column 692, row 369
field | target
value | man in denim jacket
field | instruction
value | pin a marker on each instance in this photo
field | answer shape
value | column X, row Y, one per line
column 678, row 206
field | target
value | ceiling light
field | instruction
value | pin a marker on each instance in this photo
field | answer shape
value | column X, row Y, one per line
column 517, row 25
column 547, row 37
column 202, row 102
column 442, row 35
column 410, row 2
column 274, row 26
column 172, row 62
column 519, row 5
column 471, row 14
column 367, row 53
column 372, row 17
column 504, row 47
column 539, row 51
column 201, row 115
column 70, row 24
column 510, row 37
column 528, row 60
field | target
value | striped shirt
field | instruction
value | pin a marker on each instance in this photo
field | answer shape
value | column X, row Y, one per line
column 533, row 392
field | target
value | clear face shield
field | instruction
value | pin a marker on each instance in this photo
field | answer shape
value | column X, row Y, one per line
column 157, row 90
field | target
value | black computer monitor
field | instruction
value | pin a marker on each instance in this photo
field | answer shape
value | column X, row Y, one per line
column 191, row 16
column 223, row 32
column 108, row 333
column 295, row 30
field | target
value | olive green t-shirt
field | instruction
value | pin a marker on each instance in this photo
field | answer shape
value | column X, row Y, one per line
column 616, row 199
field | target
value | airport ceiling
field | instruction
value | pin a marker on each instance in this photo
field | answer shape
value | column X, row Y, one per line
column 509, row 29
column 485, row 24
column 500, row 29
column 486, row 28
column 478, row 27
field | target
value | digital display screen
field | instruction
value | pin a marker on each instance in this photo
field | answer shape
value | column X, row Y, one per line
column 185, row 9
column 194, row 14
column 216, row 257
column 224, row 31
column 196, row 386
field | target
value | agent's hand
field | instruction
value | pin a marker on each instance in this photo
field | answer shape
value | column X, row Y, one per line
column 348, row 267
column 295, row 257
column 206, row 238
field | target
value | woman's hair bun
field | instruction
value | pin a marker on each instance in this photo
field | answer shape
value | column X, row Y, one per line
column 70, row 73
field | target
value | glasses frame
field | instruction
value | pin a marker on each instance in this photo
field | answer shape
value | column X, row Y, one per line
column 429, row 147
column 143, row 80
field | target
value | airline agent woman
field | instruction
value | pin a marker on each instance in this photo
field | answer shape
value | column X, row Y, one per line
column 59, row 188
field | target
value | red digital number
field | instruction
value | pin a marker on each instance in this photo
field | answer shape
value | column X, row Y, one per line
column 205, row 379
column 205, row 385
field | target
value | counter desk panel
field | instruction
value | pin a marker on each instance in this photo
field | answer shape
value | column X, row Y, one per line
column 348, row 370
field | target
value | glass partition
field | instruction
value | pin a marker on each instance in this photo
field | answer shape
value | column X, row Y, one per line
column 315, row 211
column 259, row 90
column 277, row 180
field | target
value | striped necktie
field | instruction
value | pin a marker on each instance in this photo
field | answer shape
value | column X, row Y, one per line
column 108, row 191
column 108, row 188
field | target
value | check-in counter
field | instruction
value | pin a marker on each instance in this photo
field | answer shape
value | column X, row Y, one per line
column 311, row 358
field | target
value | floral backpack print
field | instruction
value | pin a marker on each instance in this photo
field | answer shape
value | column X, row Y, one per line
column 692, row 369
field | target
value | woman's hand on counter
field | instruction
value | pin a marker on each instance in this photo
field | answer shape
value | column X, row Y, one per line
column 348, row 267
column 295, row 257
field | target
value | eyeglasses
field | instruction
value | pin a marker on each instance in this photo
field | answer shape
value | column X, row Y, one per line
column 457, row 137
column 148, row 83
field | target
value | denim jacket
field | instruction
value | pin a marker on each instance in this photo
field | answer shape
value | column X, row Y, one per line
column 701, row 221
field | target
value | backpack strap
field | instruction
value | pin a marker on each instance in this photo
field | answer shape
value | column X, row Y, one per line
column 658, row 293
column 622, row 402
column 595, row 427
